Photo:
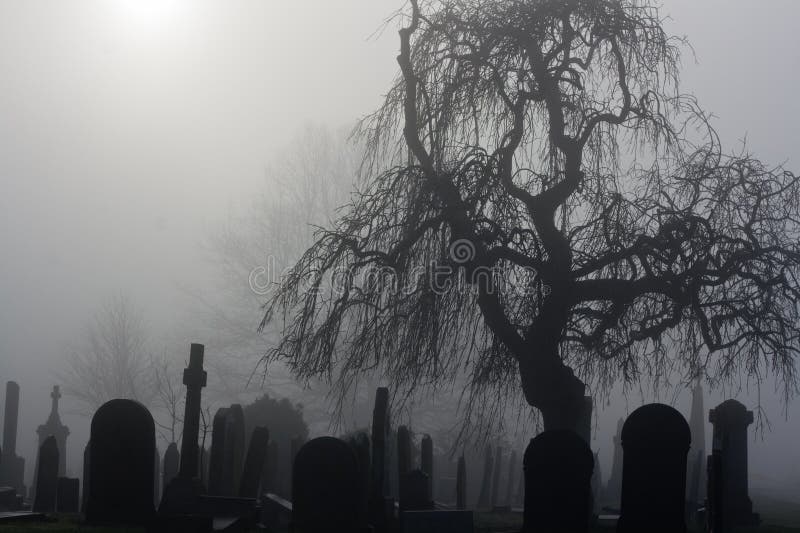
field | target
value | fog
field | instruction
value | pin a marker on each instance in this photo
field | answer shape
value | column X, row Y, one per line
column 130, row 131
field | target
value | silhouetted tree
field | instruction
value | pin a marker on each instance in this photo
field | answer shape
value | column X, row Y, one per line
column 112, row 359
column 554, row 204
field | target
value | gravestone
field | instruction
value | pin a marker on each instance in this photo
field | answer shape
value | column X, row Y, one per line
column 512, row 476
column 655, row 441
column 157, row 478
column 12, row 467
column 122, row 448
column 484, row 498
column 217, row 461
column 172, row 461
column 498, row 464
column 254, row 464
column 715, row 491
column 730, row 420
column 87, row 457
column 597, row 485
column 558, row 468
column 47, row 477
column 67, row 495
column 461, row 484
column 269, row 474
column 403, row 459
column 54, row 427
column 184, row 491
column 235, row 437
column 426, row 460
column 696, row 465
column 360, row 445
column 415, row 492
column 326, row 488
column 380, row 505
column 613, row 491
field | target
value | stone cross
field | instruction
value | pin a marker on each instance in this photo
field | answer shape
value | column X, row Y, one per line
column 53, row 426
column 47, row 477
column 558, row 470
column 194, row 377
column 730, row 420
column 655, row 441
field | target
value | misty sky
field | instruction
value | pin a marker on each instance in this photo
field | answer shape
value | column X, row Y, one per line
column 130, row 128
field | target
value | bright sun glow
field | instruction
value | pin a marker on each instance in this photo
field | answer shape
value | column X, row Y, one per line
column 148, row 15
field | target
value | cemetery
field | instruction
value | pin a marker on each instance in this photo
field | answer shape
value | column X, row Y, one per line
column 509, row 275
column 341, row 484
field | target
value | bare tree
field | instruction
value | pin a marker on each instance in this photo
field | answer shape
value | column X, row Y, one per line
column 168, row 396
column 556, row 213
column 112, row 360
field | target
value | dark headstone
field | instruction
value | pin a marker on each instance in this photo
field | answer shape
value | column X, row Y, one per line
column 54, row 427
column 696, row 473
column 426, row 459
column 655, row 441
column 10, row 419
column 217, row 461
column 47, row 477
column 122, row 448
column 613, row 491
column 403, row 450
column 157, row 478
column 513, row 467
column 461, row 484
column 730, row 420
column 716, row 482
column 172, row 461
column 12, row 467
column 360, row 445
column 558, row 468
column 67, row 495
column 87, row 458
column 325, row 488
column 485, row 495
column 380, row 436
column 415, row 492
column 269, row 474
column 498, row 464
column 254, row 464
column 235, row 438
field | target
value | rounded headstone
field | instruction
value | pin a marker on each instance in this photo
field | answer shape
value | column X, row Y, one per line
column 121, row 464
column 558, row 467
column 326, row 488
column 655, row 441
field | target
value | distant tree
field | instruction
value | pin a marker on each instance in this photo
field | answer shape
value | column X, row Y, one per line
column 284, row 420
column 553, row 205
column 111, row 360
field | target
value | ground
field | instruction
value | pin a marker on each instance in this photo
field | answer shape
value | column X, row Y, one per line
column 484, row 523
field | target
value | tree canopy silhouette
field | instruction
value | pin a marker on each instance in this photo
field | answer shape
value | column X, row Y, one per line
column 554, row 208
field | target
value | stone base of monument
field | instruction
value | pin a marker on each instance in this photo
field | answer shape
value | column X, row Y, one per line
column 184, row 507
column 436, row 522
column 10, row 500
column 182, row 497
